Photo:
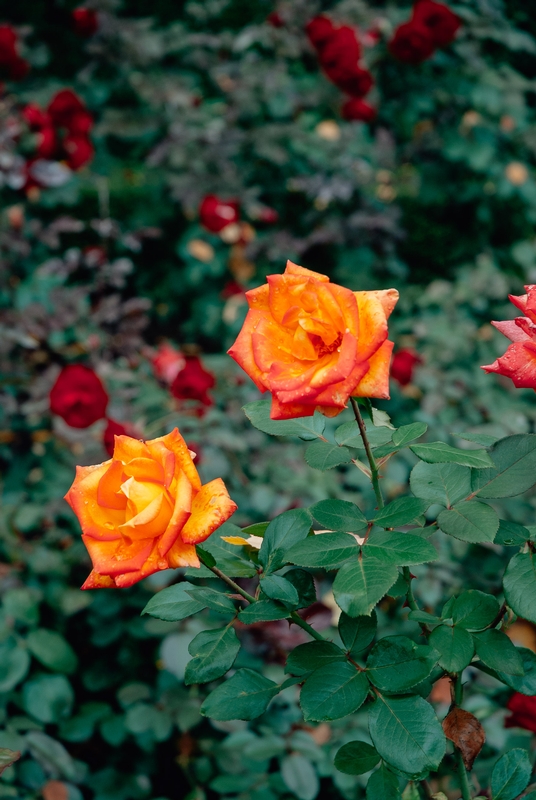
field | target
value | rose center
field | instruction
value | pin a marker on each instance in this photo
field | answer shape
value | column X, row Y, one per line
column 322, row 348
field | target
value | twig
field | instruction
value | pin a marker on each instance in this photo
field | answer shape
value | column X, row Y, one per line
column 374, row 471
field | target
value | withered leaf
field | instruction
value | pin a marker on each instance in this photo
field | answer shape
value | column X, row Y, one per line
column 466, row 732
column 55, row 790
column 7, row 758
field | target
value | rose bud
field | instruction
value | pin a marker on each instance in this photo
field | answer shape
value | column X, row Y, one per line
column 193, row 381
column 216, row 214
column 78, row 396
column 402, row 367
column 85, row 21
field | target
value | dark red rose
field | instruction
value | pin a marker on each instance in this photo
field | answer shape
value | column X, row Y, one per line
column 78, row 396
column 63, row 106
column 215, row 214
column 356, row 82
column 35, row 117
column 523, row 710
column 80, row 123
column 8, row 44
column 47, row 143
column 412, row 43
column 85, row 21
column 341, row 49
column 112, row 430
column 193, row 382
column 358, row 110
column 275, row 20
column 319, row 29
column 440, row 21
column 78, row 151
column 18, row 69
column 231, row 289
column 402, row 366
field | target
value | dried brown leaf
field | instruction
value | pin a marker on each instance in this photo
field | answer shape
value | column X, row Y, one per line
column 7, row 758
column 55, row 790
column 466, row 732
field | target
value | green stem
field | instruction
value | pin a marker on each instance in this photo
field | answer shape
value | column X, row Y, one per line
column 306, row 627
column 462, row 772
column 410, row 597
column 374, row 471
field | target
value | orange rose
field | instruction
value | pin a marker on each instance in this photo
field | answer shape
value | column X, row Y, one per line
column 313, row 343
column 145, row 510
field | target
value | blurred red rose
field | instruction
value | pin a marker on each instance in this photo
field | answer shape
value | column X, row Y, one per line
column 167, row 363
column 112, row 430
column 78, row 396
column 338, row 53
column 215, row 214
column 319, row 29
column 412, row 43
column 63, row 106
column 523, row 710
column 440, row 21
column 85, row 21
column 11, row 64
column 80, row 123
column 35, row 117
column 357, row 109
column 193, row 382
column 403, row 364
column 78, row 151
column 268, row 215
column 47, row 143
column 275, row 19
column 231, row 289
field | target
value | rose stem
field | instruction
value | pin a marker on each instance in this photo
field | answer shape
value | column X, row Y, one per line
column 462, row 772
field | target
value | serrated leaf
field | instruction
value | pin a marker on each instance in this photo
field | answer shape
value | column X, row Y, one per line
column 257, row 529
column 401, row 511
column 407, row 733
column 281, row 534
column 498, row 652
column 356, row 758
column 362, row 583
column 485, row 439
column 519, row 585
column 174, row 603
column 383, row 785
column 357, row 632
column 401, row 549
column 470, row 521
column 216, row 601
column 245, row 695
column 304, row 584
column 339, row 515
column 423, row 617
column 442, row 453
column 310, row 656
column 276, row 587
column 323, row 455
column 440, row 483
column 262, row 611
column 214, row 653
column 326, row 550
column 407, row 433
column 348, row 434
column 472, row 610
column 525, row 684
column 396, row 663
column 514, row 469
column 333, row 692
column 510, row 534
column 511, row 775
column 306, row 428
column 454, row 645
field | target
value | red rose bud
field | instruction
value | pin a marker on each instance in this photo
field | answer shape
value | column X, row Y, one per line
column 523, row 710
column 112, row 430
column 440, row 21
column 519, row 361
column 167, row 363
column 193, row 382
column 231, row 289
column 358, row 110
column 319, row 29
column 412, row 43
column 35, row 117
column 78, row 151
column 63, row 106
column 78, row 396
column 268, row 215
column 403, row 364
column 216, row 214
column 85, row 21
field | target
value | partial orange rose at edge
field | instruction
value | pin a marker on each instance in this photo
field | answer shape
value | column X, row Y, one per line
column 145, row 509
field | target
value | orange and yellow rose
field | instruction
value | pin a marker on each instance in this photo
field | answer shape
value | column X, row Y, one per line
column 314, row 344
column 145, row 510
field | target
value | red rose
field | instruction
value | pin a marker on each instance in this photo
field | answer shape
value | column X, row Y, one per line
column 319, row 29
column 78, row 396
column 80, row 123
column 402, row 366
column 78, row 151
column 18, row 69
column 193, row 382
column 519, row 361
column 8, row 44
column 356, row 82
column 440, row 21
column 167, row 363
column 358, row 110
column 268, row 215
column 412, row 43
column 216, row 214
column 112, row 430
column 63, row 106
column 523, row 710
column 341, row 49
column 35, row 117
column 85, row 21
column 47, row 143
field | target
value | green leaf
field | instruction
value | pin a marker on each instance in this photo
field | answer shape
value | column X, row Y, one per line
column 357, row 632
column 510, row 534
column 519, row 585
column 395, row 663
column 245, row 695
column 173, row 604
column 407, row 733
column 14, row 665
column 48, row 698
column 497, row 651
column 407, row 433
column 257, row 529
column 278, row 588
column 281, row 534
column 310, row 656
column 324, row 455
column 514, row 470
column 306, row 428
column 356, row 758
column 339, row 515
column 472, row 610
column 510, row 775
column 440, row 483
column 348, row 434
column 262, row 611
column 401, row 549
column 423, row 617
column 380, row 419
column 7, row 758
column 454, row 645
column 470, row 521
column 52, row 650
column 326, row 550
column 299, row 776
column 401, row 511
column 211, row 598
column 485, row 439
column 362, row 583
column 333, row 691
column 206, row 558
column 525, row 684
column 232, row 560
column 304, row 584
column 442, row 453
column 383, row 785
column 213, row 654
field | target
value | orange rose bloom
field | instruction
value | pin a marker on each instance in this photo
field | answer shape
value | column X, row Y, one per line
column 313, row 343
column 145, row 510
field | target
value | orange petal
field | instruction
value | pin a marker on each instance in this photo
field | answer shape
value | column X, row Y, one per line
column 388, row 298
column 376, row 381
column 181, row 512
column 290, row 410
column 183, row 463
column 126, row 448
column 152, row 521
column 258, row 298
column 183, row 555
column 109, row 494
column 114, row 558
column 295, row 269
column 96, row 581
column 211, row 507
column 145, row 469
column 242, row 349
column 372, row 324
column 94, row 520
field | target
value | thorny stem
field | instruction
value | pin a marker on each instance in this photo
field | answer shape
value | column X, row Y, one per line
column 500, row 614
column 462, row 772
column 306, row 627
column 374, row 470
